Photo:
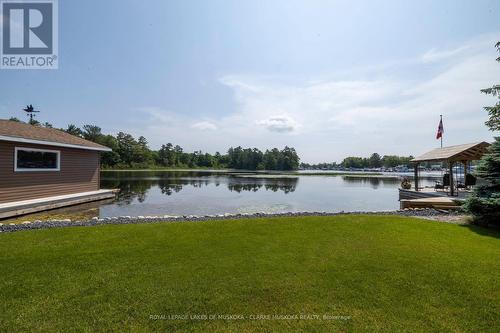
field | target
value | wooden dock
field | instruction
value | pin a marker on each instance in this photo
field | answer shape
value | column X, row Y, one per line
column 428, row 198
column 16, row 208
column 435, row 202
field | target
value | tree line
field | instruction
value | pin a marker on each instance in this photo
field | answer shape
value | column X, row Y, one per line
column 129, row 152
column 355, row 162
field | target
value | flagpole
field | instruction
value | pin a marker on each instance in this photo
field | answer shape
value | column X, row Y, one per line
column 441, row 134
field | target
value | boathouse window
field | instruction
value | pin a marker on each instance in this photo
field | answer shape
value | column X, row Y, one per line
column 32, row 159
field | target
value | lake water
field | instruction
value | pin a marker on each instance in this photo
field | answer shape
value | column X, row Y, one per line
column 210, row 192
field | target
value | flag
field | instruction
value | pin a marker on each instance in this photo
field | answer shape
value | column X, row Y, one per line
column 440, row 129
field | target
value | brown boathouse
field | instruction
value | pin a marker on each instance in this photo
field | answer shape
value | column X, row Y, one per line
column 43, row 168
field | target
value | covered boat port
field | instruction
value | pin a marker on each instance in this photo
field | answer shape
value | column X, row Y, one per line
column 452, row 187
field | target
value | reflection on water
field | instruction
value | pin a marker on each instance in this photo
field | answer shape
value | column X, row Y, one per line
column 372, row 181
column 205, row 192
column 135, row 185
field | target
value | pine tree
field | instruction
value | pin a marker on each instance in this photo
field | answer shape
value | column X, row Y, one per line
column 484, row 203
column 494, row 111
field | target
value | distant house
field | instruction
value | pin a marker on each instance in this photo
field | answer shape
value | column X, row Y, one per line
column 38, row 162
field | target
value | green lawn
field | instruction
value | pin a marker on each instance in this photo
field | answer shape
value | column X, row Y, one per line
column 385, row 273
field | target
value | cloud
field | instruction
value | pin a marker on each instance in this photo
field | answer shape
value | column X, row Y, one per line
column 157, row 116
column 326, row 119
column 480, row 44
column 204, row 126
column 434, row 55
column 389, row 114
column 279, row 124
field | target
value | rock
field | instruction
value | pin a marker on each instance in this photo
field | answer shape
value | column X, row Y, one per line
column 26, row 225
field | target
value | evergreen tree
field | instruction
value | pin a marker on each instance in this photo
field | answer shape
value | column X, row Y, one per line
column 126, row 148
column 91, row 132
column 73, row 130
column 109, row 158
column 494, row 111
column 34, row 122
column 375, row 161
column 484, row 203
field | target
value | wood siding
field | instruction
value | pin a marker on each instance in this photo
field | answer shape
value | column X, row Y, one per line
column 79, row 172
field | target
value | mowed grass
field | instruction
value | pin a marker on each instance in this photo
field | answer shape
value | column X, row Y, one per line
column 384, row 273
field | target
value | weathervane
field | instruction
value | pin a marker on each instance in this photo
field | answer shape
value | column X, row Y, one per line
column 29, row 109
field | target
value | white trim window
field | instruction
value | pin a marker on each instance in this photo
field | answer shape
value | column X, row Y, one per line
column 33, row 159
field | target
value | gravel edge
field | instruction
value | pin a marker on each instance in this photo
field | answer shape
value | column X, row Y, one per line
column 36, row 225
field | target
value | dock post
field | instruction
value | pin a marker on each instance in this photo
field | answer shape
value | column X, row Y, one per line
column 452, row 190
column 416, row 176
column 465, row 172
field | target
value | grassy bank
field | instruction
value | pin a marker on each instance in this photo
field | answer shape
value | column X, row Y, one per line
column 379, row 272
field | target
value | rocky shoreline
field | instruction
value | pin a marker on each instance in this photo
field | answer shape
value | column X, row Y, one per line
column 439, row 215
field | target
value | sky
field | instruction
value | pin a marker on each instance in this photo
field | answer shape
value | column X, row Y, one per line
column 330, row 78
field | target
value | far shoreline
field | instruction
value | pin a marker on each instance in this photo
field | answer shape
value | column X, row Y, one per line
column 360, row 173
column 266, row 172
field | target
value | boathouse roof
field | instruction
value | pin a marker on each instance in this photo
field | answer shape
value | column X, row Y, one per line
column 22, row 132
column 465, row 152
